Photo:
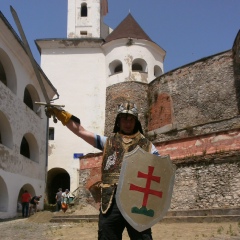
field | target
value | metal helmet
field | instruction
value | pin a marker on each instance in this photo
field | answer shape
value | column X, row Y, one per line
column 128, row 108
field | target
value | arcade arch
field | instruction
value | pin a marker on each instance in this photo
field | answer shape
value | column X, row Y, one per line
column 27, row 187
column 4, row 198
column 30, row 97
column 29, row 147
column 7, row 72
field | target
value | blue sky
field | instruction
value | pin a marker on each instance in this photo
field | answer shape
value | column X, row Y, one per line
column 187, row 30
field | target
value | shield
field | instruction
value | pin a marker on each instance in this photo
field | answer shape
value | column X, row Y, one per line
column 145, row 188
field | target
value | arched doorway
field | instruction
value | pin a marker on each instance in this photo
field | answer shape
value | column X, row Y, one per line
column 56, row 178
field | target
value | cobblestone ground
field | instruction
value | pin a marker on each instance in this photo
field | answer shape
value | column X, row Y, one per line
column 38, row 227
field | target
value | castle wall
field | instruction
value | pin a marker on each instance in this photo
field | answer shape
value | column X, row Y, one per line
column 192, row 114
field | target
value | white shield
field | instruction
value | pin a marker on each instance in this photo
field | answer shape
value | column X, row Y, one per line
column 145, row 188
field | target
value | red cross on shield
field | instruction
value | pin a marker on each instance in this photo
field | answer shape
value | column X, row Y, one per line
column 145, row 188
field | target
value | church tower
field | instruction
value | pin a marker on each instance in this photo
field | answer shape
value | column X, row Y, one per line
column 85, row 19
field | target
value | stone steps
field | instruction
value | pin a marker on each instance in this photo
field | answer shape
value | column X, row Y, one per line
column 190, row 216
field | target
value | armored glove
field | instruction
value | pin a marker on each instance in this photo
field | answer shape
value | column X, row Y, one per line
column 58, row 113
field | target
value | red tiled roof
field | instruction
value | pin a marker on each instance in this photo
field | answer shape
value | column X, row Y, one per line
column 128, row 28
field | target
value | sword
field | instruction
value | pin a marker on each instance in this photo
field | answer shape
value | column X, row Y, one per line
column 33, row 62
column 29, row 53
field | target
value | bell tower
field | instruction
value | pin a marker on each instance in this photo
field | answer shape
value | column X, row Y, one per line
column 85, row 19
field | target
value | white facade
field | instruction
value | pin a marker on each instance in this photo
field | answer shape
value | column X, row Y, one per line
column 79, row 75
column 81, row 67
column 23, row 125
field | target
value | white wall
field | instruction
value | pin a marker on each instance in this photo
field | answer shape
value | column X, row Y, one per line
column 17, row 170
column 141, row 49
column 79, row 76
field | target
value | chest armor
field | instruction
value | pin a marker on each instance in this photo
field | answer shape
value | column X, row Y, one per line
column 113, row 154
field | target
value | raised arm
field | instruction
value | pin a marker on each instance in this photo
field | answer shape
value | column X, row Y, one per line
column 81, row 132
column 72, row 123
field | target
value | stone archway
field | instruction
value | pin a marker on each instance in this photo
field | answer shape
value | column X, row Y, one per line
column 56, row 178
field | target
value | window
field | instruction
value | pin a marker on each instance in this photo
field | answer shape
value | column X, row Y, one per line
column 136, row 67
column 84, row 10
column 157, row 71
column 115, row 67
column 139, row 65
column 51, row 133
column 118, row 68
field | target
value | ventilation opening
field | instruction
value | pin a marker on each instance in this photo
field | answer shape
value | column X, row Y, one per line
column 84, row 33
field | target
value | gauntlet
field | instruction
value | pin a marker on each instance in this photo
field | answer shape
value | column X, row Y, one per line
column 58, row 113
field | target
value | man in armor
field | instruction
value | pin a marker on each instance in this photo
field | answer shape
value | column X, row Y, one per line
column 127, row 135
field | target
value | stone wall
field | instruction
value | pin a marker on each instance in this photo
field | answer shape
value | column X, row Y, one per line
column 211, row 182
column 203, row 98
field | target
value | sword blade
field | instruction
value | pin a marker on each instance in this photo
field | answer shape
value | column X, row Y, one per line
column 29, row 53
column 49, row 104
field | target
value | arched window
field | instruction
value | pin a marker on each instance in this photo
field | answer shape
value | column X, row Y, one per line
column 3, row 77
column 24, row 149
column 84, row 10
column 115, row 67
column 157, row 71
column 27, row 99
column 139, row 65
